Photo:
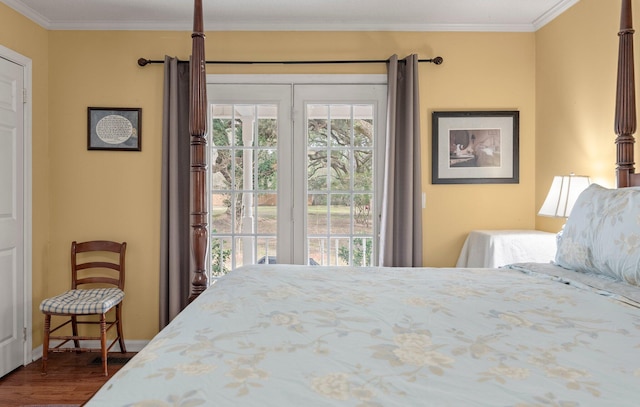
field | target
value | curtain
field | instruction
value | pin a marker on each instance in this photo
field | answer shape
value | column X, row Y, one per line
column 175, row 255
column 401, row 221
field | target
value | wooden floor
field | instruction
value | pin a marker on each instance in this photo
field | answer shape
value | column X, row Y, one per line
column 71, row 379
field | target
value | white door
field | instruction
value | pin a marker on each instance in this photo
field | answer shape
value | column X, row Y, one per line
column 12, row 301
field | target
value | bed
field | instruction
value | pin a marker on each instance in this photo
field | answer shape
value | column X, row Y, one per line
column 565, row 333
column 294, row 336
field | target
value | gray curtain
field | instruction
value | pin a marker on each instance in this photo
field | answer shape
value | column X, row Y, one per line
column 401, row 222
column 175, row 255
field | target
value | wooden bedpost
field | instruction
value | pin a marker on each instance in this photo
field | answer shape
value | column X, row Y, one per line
column 625, row 119
column 198, row 129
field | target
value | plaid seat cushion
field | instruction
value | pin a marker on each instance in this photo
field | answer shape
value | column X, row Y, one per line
column 90, row 301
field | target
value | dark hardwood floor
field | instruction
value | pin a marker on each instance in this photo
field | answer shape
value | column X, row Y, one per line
column 71, row 379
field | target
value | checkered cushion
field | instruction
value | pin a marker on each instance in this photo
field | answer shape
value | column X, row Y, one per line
column 90, row 301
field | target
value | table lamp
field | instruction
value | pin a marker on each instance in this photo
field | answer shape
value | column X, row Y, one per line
column 563, row 194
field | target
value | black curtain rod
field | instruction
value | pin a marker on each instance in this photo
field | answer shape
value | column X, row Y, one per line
column 436, row 60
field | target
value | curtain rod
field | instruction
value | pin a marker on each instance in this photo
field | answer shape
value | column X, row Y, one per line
column 436, row 61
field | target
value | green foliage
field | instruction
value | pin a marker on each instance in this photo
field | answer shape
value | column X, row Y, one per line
column 219, row 257
column 333, row 146
column 361, row 252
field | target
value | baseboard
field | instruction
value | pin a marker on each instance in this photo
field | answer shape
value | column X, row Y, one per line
column 132, row 346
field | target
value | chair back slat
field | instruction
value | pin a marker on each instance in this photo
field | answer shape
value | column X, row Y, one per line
column 97, row 264
column 93, row 258
column 97, row 280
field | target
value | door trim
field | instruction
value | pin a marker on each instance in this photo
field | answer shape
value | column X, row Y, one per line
column 27, row 67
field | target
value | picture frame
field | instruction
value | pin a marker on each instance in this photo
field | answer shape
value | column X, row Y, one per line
column 475, row 147
column 114, row 128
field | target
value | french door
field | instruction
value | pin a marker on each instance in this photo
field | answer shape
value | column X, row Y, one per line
column 295, row 173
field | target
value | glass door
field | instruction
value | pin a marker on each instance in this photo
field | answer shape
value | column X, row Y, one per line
column 250, row 139
column 341, row 132
column 295, row 174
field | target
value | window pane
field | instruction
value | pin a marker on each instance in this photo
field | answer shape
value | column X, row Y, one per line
column 267, row 168
column 363, row 126
column 221, row 129
column 247, row 212
column 340, row 255
column 340, row 214
column 340, row 131
column 239, row 176
column 267, row 210
column 241, row 111
column 363, row 170
column 221, row 169
column 317, row 214
column 220, row 255
column 362, row 251
column 245, row 121
column 317, row 171
column 362, row 214
column 220, row 213
column 267, row 126
column 318, row 251
column 235, row 211
column 243, row 251
column 317, row 125
column 340, row 170
column 267, row 253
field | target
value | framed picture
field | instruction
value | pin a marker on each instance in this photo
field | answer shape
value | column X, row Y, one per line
column 114, row 128
column 475, row 147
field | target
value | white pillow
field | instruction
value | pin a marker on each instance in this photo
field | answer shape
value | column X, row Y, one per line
column 602, row 234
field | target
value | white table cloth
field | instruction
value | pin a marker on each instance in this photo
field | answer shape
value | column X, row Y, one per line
column 496, row 248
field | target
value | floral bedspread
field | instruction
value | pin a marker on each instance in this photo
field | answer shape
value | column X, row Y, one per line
column 281, row 335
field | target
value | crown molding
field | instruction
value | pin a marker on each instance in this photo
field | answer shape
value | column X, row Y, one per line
column 552, row 13
column 173, row 25
column 28, row 12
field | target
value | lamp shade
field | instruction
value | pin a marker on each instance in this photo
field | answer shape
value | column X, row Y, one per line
column 563, row 194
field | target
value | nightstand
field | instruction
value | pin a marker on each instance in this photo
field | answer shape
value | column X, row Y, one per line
column 496, row 248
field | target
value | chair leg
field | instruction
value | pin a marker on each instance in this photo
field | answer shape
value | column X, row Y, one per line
column 103, row 342
column 123, row 347
column 45, row 342
column 74, row 331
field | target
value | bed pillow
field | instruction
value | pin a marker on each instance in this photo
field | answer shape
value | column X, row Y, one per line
column 602, row 234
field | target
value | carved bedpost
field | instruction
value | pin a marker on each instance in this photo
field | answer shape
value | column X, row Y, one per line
column 625, row 119
column 198, row 129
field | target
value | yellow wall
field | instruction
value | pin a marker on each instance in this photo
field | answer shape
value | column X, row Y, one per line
column 490, row 71
column 576, row 64
column 105, row 194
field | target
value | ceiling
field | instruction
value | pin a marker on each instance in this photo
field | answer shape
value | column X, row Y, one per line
column 284, row 15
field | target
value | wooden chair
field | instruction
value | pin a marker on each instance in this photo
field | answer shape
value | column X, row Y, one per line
column 98, row 266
